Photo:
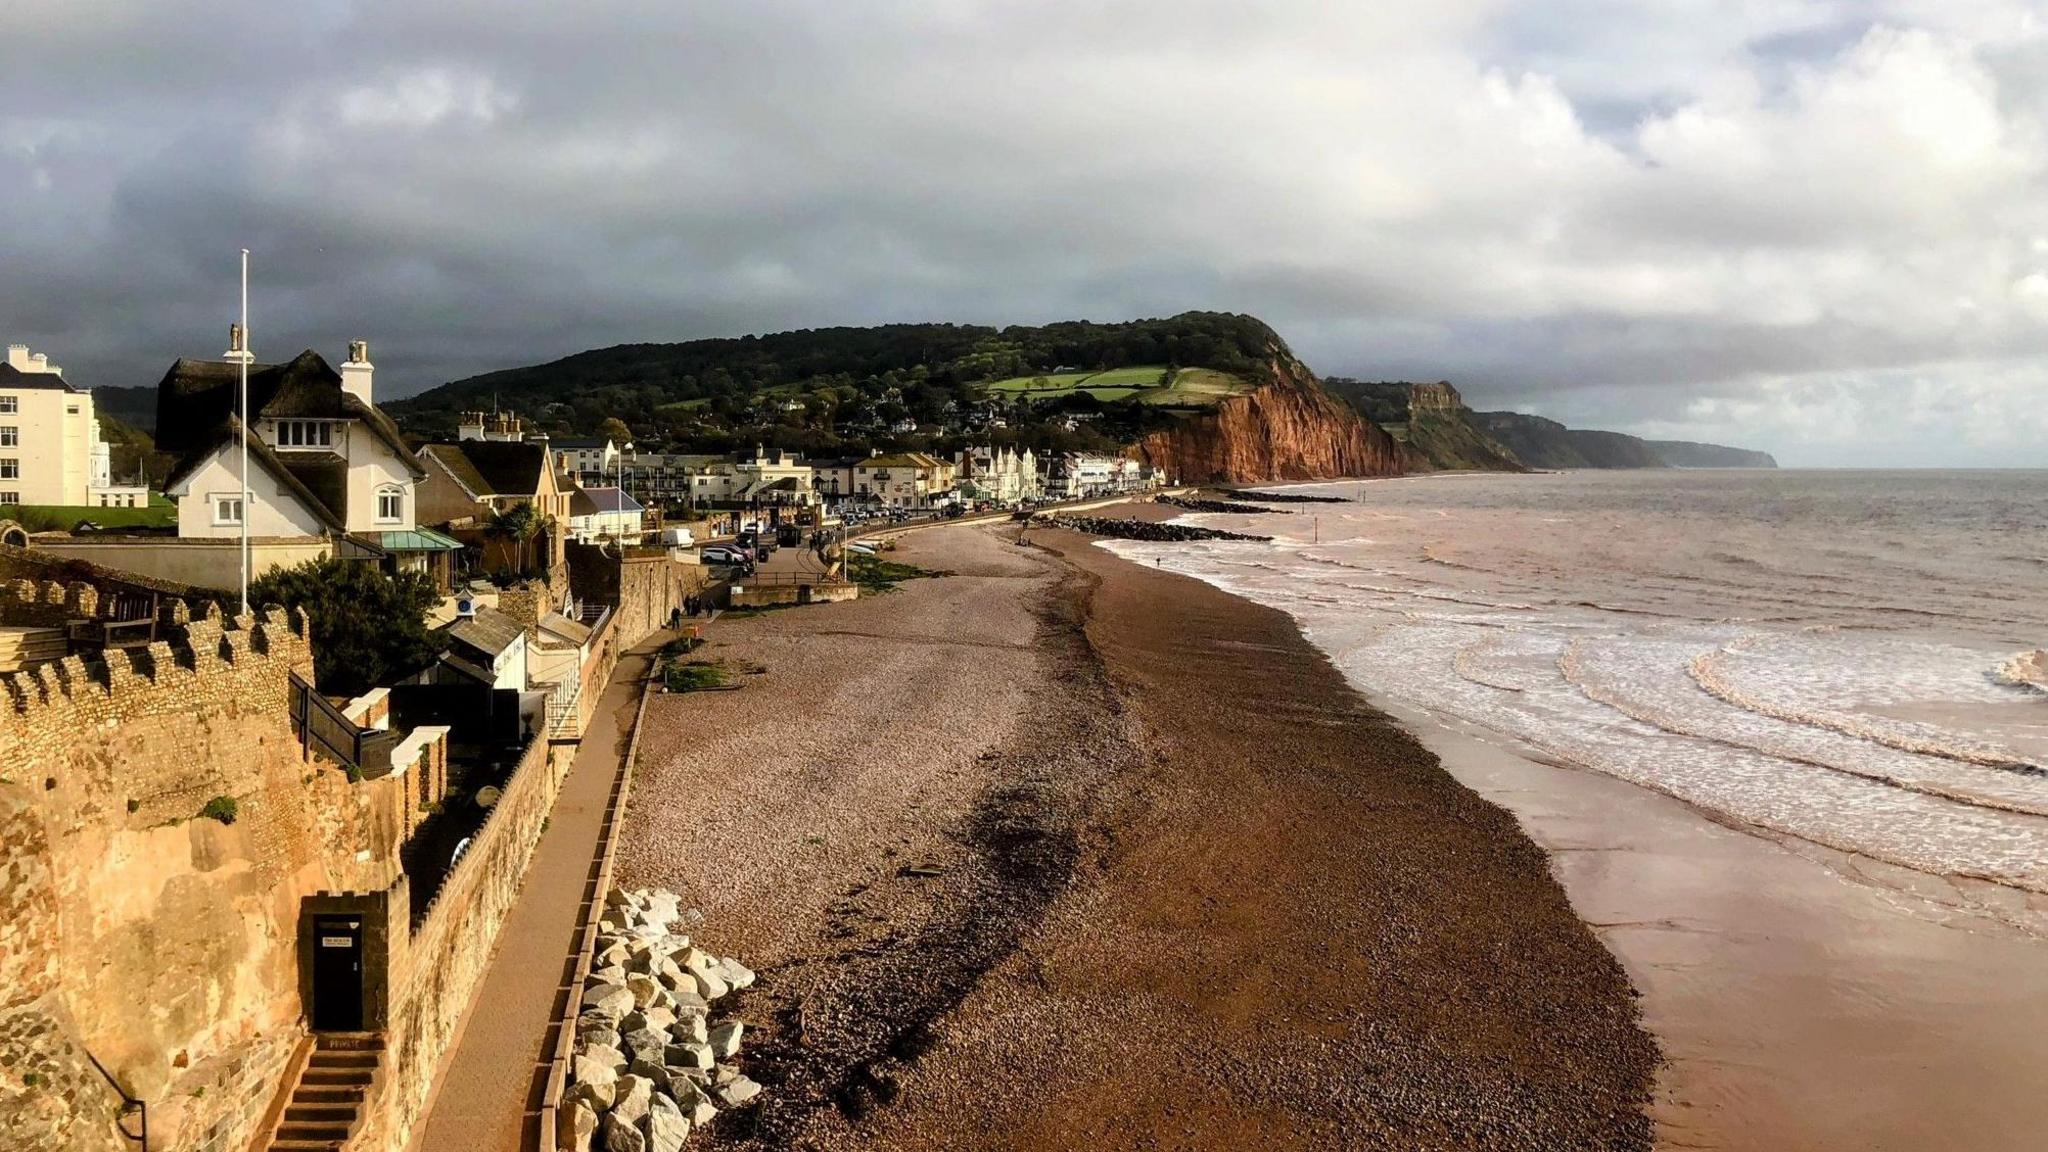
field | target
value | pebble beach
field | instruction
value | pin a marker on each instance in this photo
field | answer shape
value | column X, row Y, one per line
column 1055, row 851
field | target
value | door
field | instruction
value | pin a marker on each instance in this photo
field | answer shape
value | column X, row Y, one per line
column 337, row 974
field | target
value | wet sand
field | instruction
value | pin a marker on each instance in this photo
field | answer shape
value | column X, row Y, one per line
column 1061, row 852
column 1802, row 998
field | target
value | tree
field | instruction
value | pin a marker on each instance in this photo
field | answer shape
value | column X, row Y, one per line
column 369, row 629
column 614, row 429
column 517, row 527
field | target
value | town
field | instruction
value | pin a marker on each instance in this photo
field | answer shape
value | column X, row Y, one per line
column 326, row 681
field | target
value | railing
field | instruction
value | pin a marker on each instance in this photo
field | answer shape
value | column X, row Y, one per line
column 130, row 1106
column 323, row 728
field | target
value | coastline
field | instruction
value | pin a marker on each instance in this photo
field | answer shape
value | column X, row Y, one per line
column 1065, row 852
column 1803, row 996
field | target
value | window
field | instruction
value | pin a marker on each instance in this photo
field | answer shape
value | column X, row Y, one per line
column 227, row 509
column 10, row 468
column 10, row 403
column 71, row 409
column 390, row 504
column 10, row 436
column 304, row 433
column 10, row 497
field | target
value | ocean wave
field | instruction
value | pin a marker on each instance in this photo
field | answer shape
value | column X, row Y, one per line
column 2025, row 670
column 1706, row 670
column 1570, row 666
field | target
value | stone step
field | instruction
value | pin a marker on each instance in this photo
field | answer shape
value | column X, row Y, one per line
column 344, row 1060
column 343, row 1113
column 305, row 1145
column 338, row 1077
column 317, row 1094
column 328, row 1132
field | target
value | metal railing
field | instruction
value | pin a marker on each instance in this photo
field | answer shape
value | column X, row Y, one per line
column 130, row 1106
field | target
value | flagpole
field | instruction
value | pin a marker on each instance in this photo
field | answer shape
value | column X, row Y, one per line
column 243, row 360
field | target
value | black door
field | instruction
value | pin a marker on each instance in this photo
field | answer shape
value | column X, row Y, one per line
column 337, row 974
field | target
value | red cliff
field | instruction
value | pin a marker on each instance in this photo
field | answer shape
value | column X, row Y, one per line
column 1286, row 428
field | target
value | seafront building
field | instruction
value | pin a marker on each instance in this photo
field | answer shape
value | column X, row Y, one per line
column 51, row 451
column 1003, row 475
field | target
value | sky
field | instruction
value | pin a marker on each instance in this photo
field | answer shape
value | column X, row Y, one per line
column 1816, row 227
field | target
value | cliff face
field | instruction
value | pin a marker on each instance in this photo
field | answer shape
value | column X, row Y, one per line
column 1689, row 454
column 1287, row 428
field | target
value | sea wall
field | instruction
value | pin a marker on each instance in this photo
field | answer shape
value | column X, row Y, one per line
column 434, row 971
column 133, row 929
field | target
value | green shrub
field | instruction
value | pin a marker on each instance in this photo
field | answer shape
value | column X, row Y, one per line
column 221, row 808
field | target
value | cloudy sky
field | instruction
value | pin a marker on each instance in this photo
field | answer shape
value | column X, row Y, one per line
column 1818, row 227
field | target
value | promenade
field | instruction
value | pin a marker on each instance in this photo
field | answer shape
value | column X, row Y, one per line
column 487, row 1097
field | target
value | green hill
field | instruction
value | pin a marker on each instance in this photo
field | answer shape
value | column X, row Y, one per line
column 825, row 389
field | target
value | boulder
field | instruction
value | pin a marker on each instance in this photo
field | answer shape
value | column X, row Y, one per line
column 710, row 985
column 689, row 1030
column 654, row 1073
column 646, row 1044
column 690, row 1055
column 738, row 1092
column 598, row 1093
column 595, row 1098
column 612, row 1057
column 610, row 974
column 689, row 1001
column 679, row 1075
column 666, row 1127
column 575, row 1124
column 634, row 1094
column 671, row 975
column 693, row 1100
column 735, row 974
column 725, row 1039
column 596, row 1034
column 610, row 1001
column 642, row 989
column 612, row 955
column 622, row 1135
column 598, row 1072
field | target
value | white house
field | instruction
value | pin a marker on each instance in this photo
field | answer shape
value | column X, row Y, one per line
column 1001, row 474
column 592, row 458
column 604, row 513
column 323, row 459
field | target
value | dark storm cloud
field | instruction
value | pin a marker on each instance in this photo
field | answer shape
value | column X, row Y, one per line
column 1688, row 215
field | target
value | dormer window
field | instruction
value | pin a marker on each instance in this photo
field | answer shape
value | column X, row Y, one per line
column 305, row 433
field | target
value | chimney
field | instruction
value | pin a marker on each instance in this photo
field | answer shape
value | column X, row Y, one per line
column 355, row 371
column 238, row 346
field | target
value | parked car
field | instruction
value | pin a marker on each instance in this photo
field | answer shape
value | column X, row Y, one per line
column 730, row 557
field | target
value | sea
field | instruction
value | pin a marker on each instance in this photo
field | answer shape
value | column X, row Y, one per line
column 1850, row 659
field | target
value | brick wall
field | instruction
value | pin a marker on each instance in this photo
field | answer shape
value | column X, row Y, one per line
column 131, row 928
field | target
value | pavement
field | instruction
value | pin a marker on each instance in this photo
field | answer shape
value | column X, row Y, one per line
column 487, row 1098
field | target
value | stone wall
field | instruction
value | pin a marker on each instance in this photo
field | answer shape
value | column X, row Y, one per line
column 435, row 973
column 136, row 931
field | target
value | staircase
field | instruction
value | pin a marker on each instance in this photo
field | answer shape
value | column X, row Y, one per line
column 565, row 711
column 326, row 1104
column 24, row 648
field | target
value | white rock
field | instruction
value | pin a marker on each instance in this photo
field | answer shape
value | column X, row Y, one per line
column 611, row 1058
column 575, row 1124
column 596, row 1036
column 642, row 989
column 689, row 1030
column 622, row 1135
column 693, row 1100
column 709, row 985
column 690, row 1055
column 666, row 1126
column 610, row 974
column 735, row 974
column 647, row 1044
column 597, row 1096
column 725, row 1039
column 610, row 1001
column 739, row 1091
column 634, row 1093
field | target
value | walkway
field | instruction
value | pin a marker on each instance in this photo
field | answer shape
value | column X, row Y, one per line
column 487, row 1097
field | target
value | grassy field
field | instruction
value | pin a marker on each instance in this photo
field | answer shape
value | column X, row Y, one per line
column 1191, row 387
column 161, row 513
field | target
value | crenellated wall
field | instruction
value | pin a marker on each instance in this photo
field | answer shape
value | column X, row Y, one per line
column 136, row 930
